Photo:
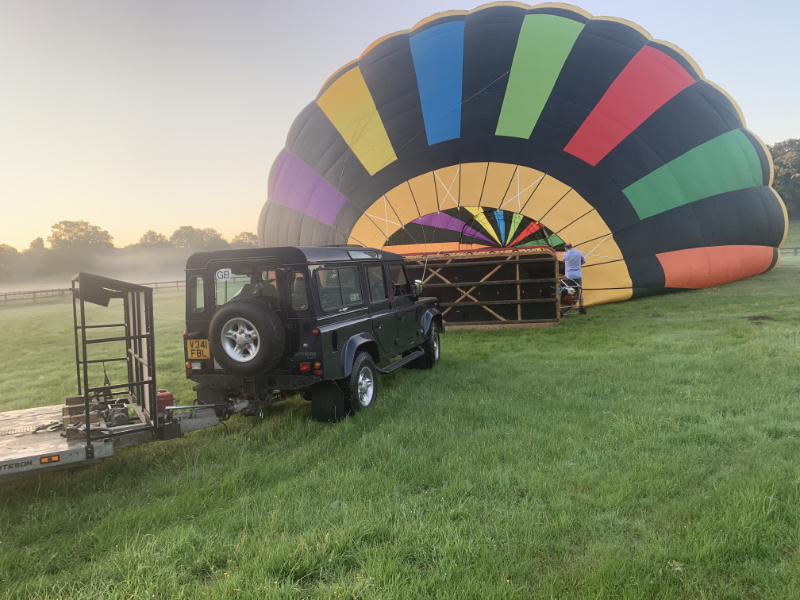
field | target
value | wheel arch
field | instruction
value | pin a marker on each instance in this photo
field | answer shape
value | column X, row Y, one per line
column 362, row 342
column 432, row 315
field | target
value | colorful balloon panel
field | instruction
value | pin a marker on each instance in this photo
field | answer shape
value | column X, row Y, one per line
column 514, row 125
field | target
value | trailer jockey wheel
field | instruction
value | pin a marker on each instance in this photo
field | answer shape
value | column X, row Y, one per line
column 247, row 337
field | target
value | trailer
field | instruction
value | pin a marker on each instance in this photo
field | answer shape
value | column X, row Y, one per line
column 113, row 411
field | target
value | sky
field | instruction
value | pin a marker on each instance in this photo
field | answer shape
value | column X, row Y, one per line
column 152, row 114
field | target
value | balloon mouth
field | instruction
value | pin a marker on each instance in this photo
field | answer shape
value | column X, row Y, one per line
column 507, row 229
column 475, row 227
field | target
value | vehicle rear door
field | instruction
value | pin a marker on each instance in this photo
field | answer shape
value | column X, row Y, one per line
column 405, row 308
column 384, row 324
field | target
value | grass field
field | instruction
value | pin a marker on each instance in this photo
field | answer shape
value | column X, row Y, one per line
column 647, row 450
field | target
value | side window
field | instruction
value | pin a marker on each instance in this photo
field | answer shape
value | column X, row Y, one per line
column 297, row 290
column 197, row 301
column 338, row 288
column 399, row 280
column 377, row 287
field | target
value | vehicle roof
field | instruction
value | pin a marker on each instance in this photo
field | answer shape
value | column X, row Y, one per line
column 289, row 255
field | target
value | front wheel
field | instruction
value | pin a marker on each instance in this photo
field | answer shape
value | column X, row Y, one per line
column 432, row 350
column 362, row 386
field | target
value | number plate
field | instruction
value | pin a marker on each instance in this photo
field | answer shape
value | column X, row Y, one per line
column 197, row 349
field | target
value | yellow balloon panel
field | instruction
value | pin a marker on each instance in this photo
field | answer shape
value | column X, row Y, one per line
column 366, row 233
column 568, row 212
column 402, row 202
column 785, row 217
column 383, row 215
column 600, row 250
column 595, row 297
column 350, row 107
column 498, row 179
column 472, row 177
column 546, row 194
column 447, row 186
column 522, row 187
column 424, row 190
column 589, row 226
column 608, row 282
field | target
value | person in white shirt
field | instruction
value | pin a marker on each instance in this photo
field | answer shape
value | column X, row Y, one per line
column 573, row 259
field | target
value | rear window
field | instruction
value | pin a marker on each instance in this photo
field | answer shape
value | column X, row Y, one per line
column 247, row 282
column 338, row 288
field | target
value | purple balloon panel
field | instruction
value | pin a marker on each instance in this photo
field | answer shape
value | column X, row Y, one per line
column 296, row 185
column 445, row 221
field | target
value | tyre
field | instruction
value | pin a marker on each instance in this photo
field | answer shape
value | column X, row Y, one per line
column 247, row 337
column 361, row 388
column 432, row 350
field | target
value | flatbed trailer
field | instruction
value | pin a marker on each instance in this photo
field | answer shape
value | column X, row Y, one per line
column 24, row 449
column 87, row 428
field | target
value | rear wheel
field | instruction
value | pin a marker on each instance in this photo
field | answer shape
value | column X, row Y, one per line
column 432, row 350
column 361, row 388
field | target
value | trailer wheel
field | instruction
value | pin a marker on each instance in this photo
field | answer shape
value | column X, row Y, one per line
column 247, row 337
column 361, row 388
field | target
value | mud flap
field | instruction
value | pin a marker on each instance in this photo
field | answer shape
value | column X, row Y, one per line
column 327, row 402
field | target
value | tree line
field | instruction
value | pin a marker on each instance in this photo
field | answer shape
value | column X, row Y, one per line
column 80, row 246
column 786, row 156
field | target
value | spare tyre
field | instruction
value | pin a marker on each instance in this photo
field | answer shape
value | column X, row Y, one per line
column 247, row 337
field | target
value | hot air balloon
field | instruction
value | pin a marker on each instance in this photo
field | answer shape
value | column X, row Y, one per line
column 514, row 125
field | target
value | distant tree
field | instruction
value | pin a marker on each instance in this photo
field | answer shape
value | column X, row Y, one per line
column 79, row 236
column 36, row 246
column 5, row 266
column 75, row 246
column 152, row 238
column 245, row 240
column 786, row 156
column 9, row 249
column 198, row 239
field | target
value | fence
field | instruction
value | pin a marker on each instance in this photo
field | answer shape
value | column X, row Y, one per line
column 65, row 294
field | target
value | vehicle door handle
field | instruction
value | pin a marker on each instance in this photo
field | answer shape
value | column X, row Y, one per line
column 400, row 317
column 378, row 325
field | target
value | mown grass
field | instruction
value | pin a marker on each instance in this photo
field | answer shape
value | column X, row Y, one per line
column 647, row 450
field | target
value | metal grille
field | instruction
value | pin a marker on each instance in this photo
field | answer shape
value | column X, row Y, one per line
column 491, row 289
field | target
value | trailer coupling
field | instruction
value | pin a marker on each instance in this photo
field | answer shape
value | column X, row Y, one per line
column 179, row 420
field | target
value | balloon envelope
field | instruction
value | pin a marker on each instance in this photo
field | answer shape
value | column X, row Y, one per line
column 511, row 125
